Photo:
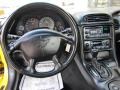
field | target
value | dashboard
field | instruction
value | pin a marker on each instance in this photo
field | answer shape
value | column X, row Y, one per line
column 98, row 51
column 36, row 20
column 97, row 32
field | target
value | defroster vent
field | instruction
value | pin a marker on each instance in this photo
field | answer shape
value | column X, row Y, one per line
column 96, row 18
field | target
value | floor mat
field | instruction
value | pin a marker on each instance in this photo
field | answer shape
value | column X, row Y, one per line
column 73, row 80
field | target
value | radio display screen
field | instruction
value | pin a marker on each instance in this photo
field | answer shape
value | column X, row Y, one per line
column 98, row 29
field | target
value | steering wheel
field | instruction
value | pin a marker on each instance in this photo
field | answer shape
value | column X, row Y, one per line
column 38, row 44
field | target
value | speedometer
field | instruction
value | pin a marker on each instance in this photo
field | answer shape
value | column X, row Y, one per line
column 31, row 24
column 47, row 22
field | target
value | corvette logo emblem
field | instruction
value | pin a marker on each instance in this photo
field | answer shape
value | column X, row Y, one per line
column 42, row 42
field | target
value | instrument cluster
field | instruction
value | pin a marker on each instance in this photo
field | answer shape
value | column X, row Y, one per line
column 31, row 22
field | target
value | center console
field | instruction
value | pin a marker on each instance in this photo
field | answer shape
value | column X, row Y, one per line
column 98, row 49
column 97, row 37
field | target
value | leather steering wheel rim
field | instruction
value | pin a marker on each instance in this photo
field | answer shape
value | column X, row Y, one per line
column 5, row 33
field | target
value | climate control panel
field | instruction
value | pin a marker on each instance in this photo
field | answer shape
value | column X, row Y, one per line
column 104, row 44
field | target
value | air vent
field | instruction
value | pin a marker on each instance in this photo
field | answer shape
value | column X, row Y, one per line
column 116, row 24
column 96, row 18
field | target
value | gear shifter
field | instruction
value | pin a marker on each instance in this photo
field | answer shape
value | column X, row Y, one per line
column 98, row 66
column 95, row 63
column 94, row 52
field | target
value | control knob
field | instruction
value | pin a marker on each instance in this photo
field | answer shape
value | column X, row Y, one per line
column 87, row 45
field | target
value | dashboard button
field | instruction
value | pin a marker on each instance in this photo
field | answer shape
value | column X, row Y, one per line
column 86, row 32
column 87, row 36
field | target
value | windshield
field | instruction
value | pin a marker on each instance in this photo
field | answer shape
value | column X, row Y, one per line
column 71, row 6
column 103, row 3
column 68, row 5
column 9, row 6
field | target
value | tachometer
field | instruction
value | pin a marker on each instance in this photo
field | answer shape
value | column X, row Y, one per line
column 31, row 24
column 47, row 22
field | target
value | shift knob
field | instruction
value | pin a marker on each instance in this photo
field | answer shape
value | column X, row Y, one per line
column 94, row 53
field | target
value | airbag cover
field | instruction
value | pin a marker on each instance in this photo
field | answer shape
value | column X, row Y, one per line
column 38, row 47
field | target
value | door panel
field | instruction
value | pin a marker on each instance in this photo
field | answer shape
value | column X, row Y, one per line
column 3, row 71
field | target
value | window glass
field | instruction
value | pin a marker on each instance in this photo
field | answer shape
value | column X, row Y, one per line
column 103, row 3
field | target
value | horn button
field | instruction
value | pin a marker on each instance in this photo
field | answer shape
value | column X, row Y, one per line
column 40, row 46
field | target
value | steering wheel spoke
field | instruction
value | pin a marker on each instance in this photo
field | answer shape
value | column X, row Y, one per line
column 30, row 68
column 56, row 62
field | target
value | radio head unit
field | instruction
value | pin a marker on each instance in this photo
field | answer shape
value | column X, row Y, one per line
column 96, row 32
